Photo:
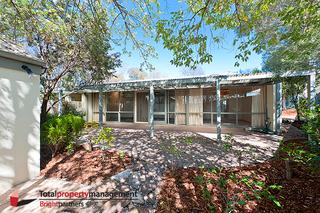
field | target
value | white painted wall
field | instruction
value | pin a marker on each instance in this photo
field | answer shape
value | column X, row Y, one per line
column 19, row 124
column 271, row 107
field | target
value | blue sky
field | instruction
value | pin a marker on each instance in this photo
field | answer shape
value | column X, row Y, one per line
column 223, row 54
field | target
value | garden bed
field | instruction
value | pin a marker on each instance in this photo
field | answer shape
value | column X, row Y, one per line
column 254, row 188
column 86, row 167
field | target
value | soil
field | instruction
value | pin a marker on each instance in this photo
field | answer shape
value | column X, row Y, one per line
column 181, row 190
column 86, row 167
column 45, row 156
column 297, row 124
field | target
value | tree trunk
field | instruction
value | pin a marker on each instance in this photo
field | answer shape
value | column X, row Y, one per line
column 44, row 106
column 296, row 106
column 298, row 111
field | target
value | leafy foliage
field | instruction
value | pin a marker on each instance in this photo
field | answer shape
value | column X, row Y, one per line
column 71, row 37
column 59, row 132
column 188, row 140
column 311, row 113
column 189, row 33
column 68, row 108
column 105, row 137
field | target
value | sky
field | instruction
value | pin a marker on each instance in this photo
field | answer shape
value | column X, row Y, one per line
column 223, row 54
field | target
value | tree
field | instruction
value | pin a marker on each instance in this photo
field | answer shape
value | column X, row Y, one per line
column 259, row 25
column 71, row 37
column 136, row 74
column 275, row 62
column 186, row 71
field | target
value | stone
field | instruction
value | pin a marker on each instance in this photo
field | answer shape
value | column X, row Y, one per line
column 135, row 184
column 143, row 178
column 139, row 199
column 87, row 146
column 122, row 175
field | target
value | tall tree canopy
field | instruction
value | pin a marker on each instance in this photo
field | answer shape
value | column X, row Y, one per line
column 259, row 25
column 72, row 37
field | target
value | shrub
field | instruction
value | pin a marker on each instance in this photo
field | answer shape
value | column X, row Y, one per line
column 311, row 115
column 68, row 108
column 59, row 132
column 105, row 137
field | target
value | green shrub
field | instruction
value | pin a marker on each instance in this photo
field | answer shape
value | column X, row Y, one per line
column 59, row 132
column 188, row 140
column 311, row 115
column 68, row 108
column 105, row 137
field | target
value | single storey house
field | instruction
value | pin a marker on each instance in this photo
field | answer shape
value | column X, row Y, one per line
column 252, row 100
column 19, row 115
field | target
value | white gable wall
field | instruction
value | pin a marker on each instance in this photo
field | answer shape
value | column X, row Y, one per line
column 19, row 123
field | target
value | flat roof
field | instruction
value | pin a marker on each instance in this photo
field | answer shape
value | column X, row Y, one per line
column 192, row 81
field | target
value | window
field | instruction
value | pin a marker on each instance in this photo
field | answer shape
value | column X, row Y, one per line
column 120, row 106
column 75, row 97
column 113, row 101
column 159, row 104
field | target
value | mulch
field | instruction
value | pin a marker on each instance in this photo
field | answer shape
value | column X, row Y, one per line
column 86, row 167
column 182, row 192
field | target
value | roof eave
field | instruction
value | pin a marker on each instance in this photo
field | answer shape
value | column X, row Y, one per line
column 22, row 58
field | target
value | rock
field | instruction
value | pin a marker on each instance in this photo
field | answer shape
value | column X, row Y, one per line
column 87, row 146
column 139, row 199
column 135, row 184
column 143, row 178
column 122, row 175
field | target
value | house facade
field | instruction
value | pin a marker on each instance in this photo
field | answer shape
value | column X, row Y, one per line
column 232, row 100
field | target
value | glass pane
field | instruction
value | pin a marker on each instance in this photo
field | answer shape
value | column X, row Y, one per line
column 258, row 121
column 206, row 118
column 214, row 118
column 171, row 119
column 159, row 104
column 126, row 101
column 181, row 100
column 112, row 117
column 229, row 99
column 113, row 101
column 214, row 105
column 245, row 102
column 75, row 97
column 228, row 119
column 180, row 119
column 159, row 117
column 195, row 100
column 172, row 100
column 208, row 97
column 206, row 104
column 126, row 117
column 244, row 120
column 142, row 107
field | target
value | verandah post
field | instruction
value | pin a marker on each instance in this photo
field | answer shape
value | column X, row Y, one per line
column 218, row 109
column 311, row 92
column 100, row 108
column 312, row 88
column 151, row 106
column 278, row 106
